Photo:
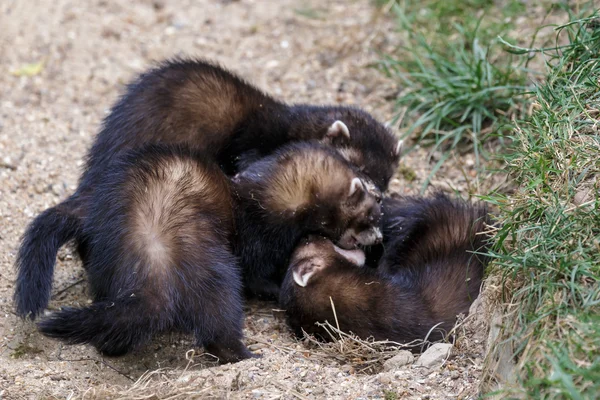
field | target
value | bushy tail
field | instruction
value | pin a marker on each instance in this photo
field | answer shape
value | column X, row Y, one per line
column 456, row 255
column 37, row 256
column 440, row 243
column 113, row 327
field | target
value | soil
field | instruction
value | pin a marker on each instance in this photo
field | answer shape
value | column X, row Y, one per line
column 65, row 62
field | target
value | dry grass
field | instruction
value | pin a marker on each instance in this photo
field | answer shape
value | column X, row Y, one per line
column 365, row 356
column 163, row 383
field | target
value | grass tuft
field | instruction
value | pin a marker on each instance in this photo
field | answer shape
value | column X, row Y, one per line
column 458, row 92
column 548, row 248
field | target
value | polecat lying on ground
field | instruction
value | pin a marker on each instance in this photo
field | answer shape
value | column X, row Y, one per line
column 159, row 233
column 201, row 105
column 429, row 273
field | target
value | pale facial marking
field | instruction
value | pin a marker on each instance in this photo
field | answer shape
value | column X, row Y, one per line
column 351, row 238
column 370, row 236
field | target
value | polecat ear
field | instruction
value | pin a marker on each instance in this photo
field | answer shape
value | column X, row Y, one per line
column 305, row 269
column 302, row 271
column 355, row 186
column 356, row 257
column 302, row 279
column 338, row 128
column 398, row 148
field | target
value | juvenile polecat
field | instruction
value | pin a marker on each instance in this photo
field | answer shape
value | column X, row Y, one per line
column 158, row 257
column 302, row 188
column 429, row 273
column 204, row 106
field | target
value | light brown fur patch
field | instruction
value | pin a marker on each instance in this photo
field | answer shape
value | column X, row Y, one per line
column 158, row 217
column 304, row 175
column 210, row 104
column 351, row 155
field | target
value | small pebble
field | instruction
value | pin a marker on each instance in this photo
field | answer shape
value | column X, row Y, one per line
column 401, row 359
column 385, row 379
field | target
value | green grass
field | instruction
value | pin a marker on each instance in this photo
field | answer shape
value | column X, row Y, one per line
column 439, row 16
column 548, row 248
column 458, row 86
column 390, row 395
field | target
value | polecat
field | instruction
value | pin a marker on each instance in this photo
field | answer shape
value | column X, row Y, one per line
column 430, row 272
column 302, row 188
column 158, row 257
column 201, row 105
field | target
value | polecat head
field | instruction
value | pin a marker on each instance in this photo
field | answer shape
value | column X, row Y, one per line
column 313, row 185
column 365, row 143
column 315, row 254
column 362, row 208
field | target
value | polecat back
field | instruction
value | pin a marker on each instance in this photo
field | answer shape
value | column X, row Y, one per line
column 427, row 276
column 159, row 257
column 447, row 236
column 203, row 105
column 301, row 189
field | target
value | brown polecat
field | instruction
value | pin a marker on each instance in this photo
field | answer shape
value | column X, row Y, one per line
column 431, row 271
column 302, row 188
column 201, row 105
column 158, row 257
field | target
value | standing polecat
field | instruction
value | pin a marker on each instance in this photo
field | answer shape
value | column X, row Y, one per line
column 302, row 188
column 201, row 105
column 160, row 232
column 158, row 257
column 430, row 272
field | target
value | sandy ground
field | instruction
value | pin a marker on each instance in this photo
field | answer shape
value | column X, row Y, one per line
column 64, row 63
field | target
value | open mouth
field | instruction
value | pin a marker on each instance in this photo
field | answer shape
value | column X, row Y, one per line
column 350, row 243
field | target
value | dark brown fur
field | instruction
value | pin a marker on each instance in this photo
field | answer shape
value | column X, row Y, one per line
column 427, row 276
column 159, row 257
column 160, row 228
